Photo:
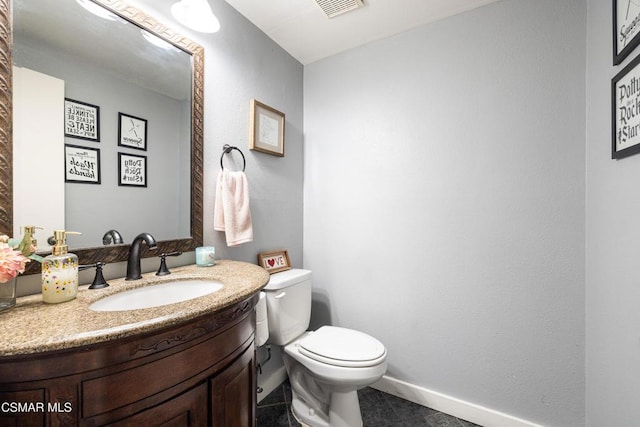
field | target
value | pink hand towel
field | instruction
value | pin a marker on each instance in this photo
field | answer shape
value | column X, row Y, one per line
column 231, row 212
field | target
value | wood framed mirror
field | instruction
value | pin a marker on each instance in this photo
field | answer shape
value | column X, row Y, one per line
column 119, row 252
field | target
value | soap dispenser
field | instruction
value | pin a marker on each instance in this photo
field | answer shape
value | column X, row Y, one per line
column 29, row 243
column 60, row 271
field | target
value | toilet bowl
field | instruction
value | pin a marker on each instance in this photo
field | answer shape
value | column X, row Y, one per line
column 326, row 367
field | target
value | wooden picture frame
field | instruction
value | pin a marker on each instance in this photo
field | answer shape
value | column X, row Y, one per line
column 132, row 170
column 132, row 132
column 626, row 29
column 274, row 261
column 81, row 120
column 625, row 111
column 267, row 129
column 81, row 164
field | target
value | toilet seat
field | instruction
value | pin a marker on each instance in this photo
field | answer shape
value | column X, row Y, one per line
column 342, row 347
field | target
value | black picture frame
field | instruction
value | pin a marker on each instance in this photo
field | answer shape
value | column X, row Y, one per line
column 132, row 132
column 81, row 120
column 81, row 164
column 132, row 170
column 626, row 29
column 625, row 111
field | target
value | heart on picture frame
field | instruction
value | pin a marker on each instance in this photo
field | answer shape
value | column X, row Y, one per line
column 274, row 261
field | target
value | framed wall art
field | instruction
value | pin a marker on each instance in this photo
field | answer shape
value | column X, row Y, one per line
column 81, row 120
column 625, row 111
column 267, row 129
column 132, row 170
column 274, row 261
column 81, row 164
column 132, row 132
column 626, row 28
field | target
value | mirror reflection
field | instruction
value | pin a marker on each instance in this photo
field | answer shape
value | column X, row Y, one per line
column 121, row 158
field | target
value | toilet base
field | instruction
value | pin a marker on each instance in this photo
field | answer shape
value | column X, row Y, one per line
column 326, row 395
column 344, row 411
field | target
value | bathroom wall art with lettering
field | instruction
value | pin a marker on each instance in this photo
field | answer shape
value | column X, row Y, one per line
column 132, row 170
column 81, row 120
column 81, row 164
column 132, row 132
column 625, row 111
column 626, row 28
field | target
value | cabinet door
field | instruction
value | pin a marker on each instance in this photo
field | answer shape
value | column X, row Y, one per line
column 22, row 408
column 233, row 393
column 187, row 410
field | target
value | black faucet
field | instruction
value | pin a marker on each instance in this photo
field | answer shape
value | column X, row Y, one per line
column 133, row 262
column 112, row 236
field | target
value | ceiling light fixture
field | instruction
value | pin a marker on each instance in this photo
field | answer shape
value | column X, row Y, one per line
column 196, row 14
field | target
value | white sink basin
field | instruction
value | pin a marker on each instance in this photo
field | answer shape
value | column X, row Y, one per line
column 156, row 295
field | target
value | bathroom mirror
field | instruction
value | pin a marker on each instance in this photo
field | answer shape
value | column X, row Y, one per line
column 129, row 16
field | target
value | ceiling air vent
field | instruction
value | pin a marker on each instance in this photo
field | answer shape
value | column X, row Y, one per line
column 337, row 7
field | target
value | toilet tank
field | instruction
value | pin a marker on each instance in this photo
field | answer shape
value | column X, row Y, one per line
column 288, row 305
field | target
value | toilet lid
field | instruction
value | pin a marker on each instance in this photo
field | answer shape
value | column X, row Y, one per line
column 342, row 347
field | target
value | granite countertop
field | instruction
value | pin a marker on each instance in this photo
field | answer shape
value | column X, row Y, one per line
column 35, row 327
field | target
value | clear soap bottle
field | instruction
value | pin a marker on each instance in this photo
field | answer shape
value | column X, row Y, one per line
column 60, row 271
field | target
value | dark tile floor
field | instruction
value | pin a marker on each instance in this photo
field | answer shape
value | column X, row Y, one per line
column 378, row 410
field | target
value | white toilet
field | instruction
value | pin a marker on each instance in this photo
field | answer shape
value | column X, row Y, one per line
column 325, row 367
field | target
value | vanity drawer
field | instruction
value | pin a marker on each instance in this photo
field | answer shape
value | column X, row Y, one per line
column 156, row 378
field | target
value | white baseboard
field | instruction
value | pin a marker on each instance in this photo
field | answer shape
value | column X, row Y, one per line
column 449, row 405
column 271, row 382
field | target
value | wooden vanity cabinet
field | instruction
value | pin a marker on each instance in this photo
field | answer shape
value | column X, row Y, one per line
column 198, row 373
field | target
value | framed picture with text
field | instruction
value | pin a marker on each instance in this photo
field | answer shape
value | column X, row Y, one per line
column 274, row 261
column 626, row 28
column 81, row 120
column 625, row 111
column 267, row 129
column 81, row 164
column 132, row 132
column 132, row 170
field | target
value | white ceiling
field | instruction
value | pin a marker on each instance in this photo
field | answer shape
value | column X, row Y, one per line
column 303, row 30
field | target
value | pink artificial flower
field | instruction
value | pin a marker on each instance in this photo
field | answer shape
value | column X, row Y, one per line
column 12, row 263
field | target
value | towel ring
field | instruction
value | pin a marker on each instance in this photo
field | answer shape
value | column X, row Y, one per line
column 226, row 149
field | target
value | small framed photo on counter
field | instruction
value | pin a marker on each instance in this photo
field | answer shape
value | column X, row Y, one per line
column 267, row 129
column 274, row 261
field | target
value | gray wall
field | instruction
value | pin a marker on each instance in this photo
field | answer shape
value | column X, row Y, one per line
column 612, row 244
column 444, row 191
